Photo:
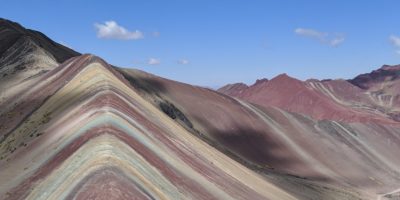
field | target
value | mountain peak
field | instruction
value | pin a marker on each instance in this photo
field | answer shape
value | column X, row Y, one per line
column 283, row 75
column 284, row 78
column 234, row 89
column 260, row 81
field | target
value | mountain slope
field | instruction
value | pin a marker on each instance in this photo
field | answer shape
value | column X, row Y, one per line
column 383, row 87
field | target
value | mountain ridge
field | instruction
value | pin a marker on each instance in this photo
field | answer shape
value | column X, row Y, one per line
column 12, row 31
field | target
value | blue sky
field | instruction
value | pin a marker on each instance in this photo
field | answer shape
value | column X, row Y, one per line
column 211, row 43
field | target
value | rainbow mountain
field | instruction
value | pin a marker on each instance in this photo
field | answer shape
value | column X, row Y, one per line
column 73, row 126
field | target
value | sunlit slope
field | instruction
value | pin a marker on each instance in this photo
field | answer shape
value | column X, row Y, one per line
column 93, row 136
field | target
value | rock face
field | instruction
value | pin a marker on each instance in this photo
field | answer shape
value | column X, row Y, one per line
column 387, row 73
column 383, row 87
column 84, row 129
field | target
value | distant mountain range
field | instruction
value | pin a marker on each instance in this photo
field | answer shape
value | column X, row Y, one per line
column 74, row 127
column 371, row 97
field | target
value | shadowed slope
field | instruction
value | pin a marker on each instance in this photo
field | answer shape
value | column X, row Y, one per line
column 276, row 142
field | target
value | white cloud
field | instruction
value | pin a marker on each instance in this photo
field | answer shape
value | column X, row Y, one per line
column 395, row 40
column 183, row 62
column 310, row 33
column 331, row 39
column 336, row 41
column 111, row 30
column 153, row 61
